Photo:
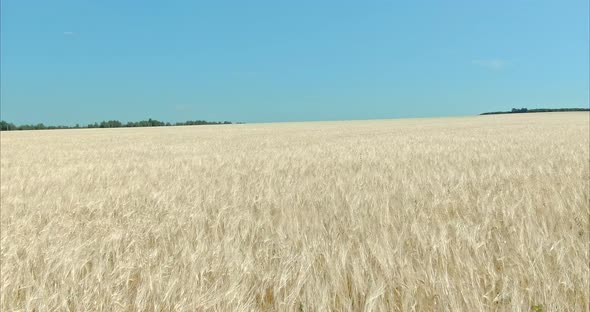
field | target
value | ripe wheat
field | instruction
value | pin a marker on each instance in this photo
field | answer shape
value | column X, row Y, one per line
column 447, row 214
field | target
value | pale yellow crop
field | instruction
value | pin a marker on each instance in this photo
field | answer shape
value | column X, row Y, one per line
column 449, row 214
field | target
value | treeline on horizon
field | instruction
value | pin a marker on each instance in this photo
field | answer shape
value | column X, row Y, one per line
column 7, row 126
column 538, row 110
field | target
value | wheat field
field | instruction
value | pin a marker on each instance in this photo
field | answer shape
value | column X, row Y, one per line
column 478, row 213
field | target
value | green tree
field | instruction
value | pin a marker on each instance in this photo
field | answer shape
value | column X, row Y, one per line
column 6, row 126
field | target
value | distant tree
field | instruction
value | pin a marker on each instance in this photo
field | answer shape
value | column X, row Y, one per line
column 7, row 126
column 539, row 110
column 4, row 126
column 521, row 110
column 114, row 124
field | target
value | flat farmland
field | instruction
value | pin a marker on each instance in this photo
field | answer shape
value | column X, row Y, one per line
column 444, row 214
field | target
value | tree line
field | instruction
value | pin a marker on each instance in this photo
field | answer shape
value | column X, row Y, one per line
column 8, row 126
column 538, row 110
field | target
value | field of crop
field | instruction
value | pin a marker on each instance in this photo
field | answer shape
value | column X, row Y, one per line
column 443, row 214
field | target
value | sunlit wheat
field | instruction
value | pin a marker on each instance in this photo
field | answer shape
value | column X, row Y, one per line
column 448, row 214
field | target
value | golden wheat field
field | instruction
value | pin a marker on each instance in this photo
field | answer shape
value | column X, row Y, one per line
column 445, row 214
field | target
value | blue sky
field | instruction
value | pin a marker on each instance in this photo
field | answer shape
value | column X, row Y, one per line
column 80, row 61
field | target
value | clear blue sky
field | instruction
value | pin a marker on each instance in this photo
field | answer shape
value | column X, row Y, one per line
column 82, row 61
